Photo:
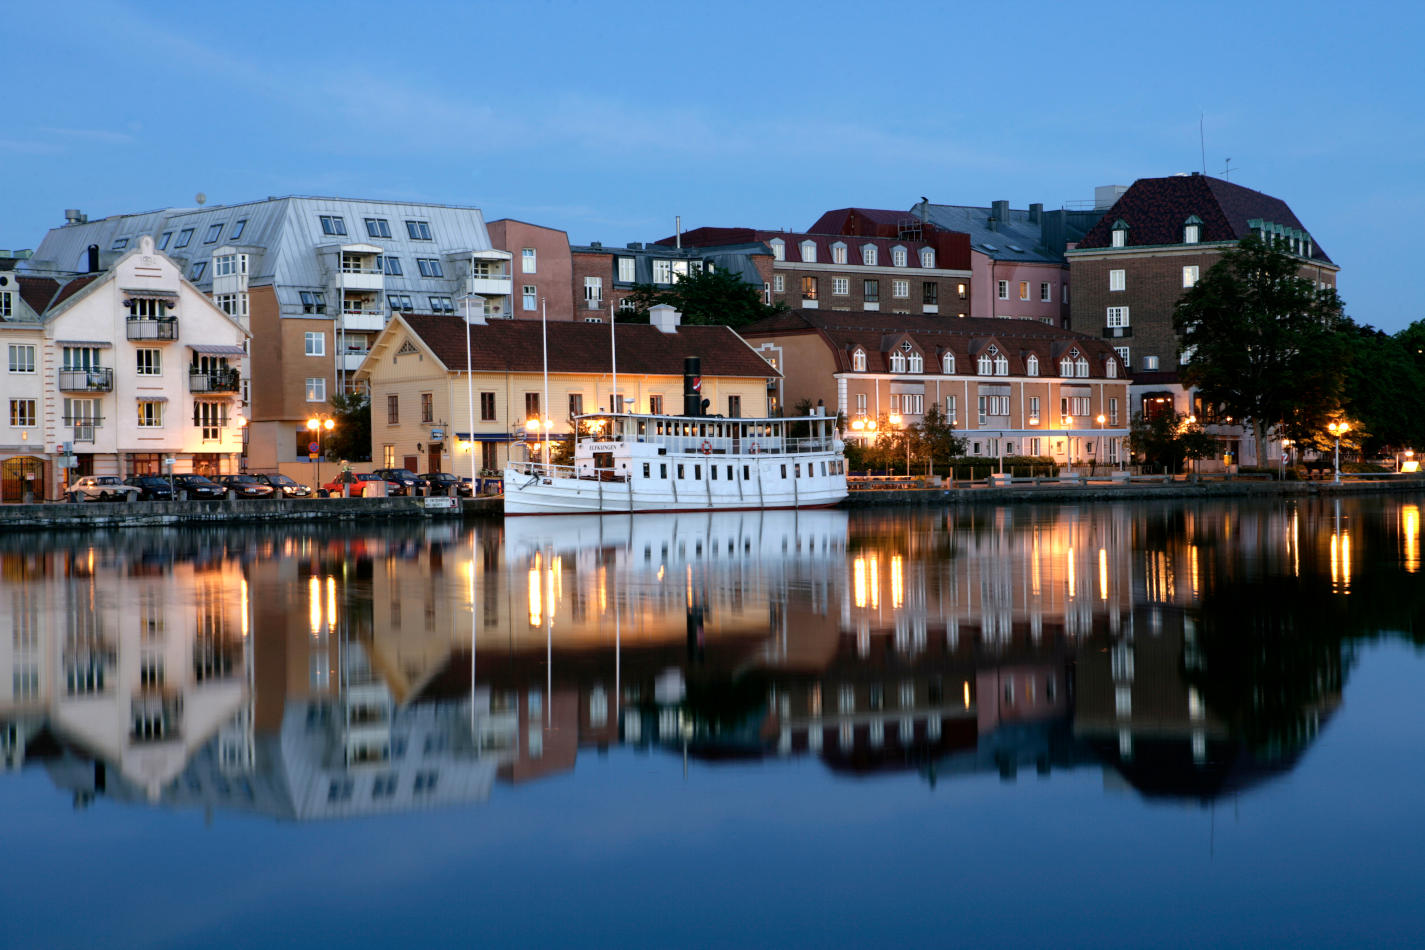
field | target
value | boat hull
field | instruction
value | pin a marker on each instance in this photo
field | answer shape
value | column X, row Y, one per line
column 542, row 495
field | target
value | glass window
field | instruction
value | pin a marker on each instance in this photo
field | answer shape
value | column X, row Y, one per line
column 1004, row 290
column 1045, row 294
column 23, row 413
column 809, row 288
column 333, row 224
column 779, row 249
column 184, row 237
column 898, row 256
column 779, row 284
column 900, row 288
column 808, row 252
column 626, row 270
column 418, row 230
column 238, row 229
column 1190, row 234
column 378, row 228
column 313, row 301
column 1117, row 280
column 927, row 257
column 316, row 343
column 1120, row 237
column 198, row 268
column 148, row 361
column 662, row 272
column 929, row 292
column 214, row 232
column 871, row 290
column 391, row 265
column 840, row 286
column 487, row 407
column 1024, row 290
column 119, row 244
column 1118, row 316
column 528, row 297
column 1190, row 273
column 150, row 414
column 1031, row 365
column 429, row 267
column 22, row 357
column 528, row 261
column 316, row 389
column 869, row 255
column 163, row 240
column 838, row 253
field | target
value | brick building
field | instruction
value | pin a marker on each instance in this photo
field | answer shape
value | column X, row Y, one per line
column 540, row 270
column 605, row 276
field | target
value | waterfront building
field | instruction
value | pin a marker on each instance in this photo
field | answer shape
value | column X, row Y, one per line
column 421, row 400
column 604, row 277
column 119, row 370
column 1010, row 387
column 1159, row 237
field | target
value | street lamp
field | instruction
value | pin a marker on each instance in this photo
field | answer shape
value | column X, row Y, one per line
column 542, row 427
column 1100, row 419
column 895, row 419
column 1338, row 429
column 318, row 425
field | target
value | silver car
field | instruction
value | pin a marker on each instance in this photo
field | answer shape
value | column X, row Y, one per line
column 102, row 488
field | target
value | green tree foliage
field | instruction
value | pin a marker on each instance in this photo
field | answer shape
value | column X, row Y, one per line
column 932, row 445
column 1265, row 342
column 350, row 438
column 703, row 297
column 1384, row 391
column 1167, row 440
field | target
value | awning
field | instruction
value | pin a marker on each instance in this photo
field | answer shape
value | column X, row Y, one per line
column 100, row 343
column 214, row 349
column 994, row 389
column 149, row 292
column 897, row 387
column 152, row 398
column 486, row 437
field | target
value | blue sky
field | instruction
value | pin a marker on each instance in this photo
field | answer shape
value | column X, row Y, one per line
column 609, row 119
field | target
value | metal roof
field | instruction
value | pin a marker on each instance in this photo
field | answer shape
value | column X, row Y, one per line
column 1018, row 239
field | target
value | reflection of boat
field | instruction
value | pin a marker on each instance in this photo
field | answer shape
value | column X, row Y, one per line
column 627, row 462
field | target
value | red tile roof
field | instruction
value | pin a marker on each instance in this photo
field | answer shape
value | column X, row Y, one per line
column 515, row 346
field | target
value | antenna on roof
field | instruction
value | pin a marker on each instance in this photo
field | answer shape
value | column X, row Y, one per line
column 1227, row 170
column 1202, row 139
column 201, row 198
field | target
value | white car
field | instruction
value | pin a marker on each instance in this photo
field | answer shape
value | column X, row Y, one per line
column 102, row 488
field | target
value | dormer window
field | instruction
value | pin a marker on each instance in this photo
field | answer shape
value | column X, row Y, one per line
column 808, row 252
column 858, row 361
column 1081, row 367
column 947, row 364
column 1120, row 233
column 1066, row 366
column 779, row 249
column 917, row 363
column 1192, row 230
column 898, row 256
column 1001, row 365
column 868, row 255
column 984, row 366
column 838, row 253
column 897, row 362
column 1110, row 369
column 1031, row 365
column 927, row 257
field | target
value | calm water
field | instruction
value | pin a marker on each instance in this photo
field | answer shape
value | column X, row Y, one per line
column 1176, row 724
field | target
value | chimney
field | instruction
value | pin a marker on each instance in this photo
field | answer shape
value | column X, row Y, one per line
column 692, row 386
column 635, row 245
column 93, row 258
column 1036, row 213
column 664, row 317
column 1000, row 211
column 73, row 216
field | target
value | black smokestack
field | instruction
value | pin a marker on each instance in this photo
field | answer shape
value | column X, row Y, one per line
column 692, row 386
column 93, row 258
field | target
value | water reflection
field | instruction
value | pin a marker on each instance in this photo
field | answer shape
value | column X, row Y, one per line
column 1187, row 650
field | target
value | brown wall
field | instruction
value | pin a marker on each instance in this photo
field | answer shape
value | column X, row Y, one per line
column 553, row 276
column 949, row 302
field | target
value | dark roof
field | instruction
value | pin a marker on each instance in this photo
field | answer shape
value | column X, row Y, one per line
column 878, row 333
column 835, row 221
column 73, row 287
column 37, row 291
column 515, row 346
column 1155, row 210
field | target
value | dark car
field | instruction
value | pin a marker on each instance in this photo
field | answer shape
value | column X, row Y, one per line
column 246, row 486
column 402, row 477
column 285, row 485
column 152, row 487
column 440, row 483
column 199, row 487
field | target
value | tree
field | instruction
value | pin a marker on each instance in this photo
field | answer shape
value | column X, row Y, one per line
column 350, row 438
column 1168, row 439
column 937, row 436
column 703, row 297
column 1265, row 343
column 1384, row 390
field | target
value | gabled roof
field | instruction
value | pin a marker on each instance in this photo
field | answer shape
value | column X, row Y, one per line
column 515, row 346
column 1155, row 210
column 73, row 287
column 37, row 291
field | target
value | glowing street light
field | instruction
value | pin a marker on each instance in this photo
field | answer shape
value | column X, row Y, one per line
column 1338, row 429
column 318, row 425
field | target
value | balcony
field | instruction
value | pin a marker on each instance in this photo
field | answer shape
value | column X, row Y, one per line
column 83, row 427
column 215, row 381
column 353, row 277
column 95, row 379
column 1117, row 333
column 163, row 330
column 351, row 360
column 499, row 285
column 363, row 321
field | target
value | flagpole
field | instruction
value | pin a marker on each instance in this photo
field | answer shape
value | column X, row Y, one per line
column 544, row 334
column 613, row 356
column 470, row 397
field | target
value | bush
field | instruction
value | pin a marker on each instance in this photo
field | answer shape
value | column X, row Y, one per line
column 1365, row 468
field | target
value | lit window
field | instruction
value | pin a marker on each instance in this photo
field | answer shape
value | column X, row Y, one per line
column 809, row 288
column 1190, row 273
column 1024, row 290
column 1150, row 362
column 316, row 389
column 150, row 414
column 23, row 413
column 214, row 232
column 529, row 262
column 418, row 230
column 858, row 361
column 331, row 224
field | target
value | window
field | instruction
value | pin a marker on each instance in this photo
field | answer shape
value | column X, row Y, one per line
column 655, row 405
column 1004, row 290
column 897, row 362
column 1110, row 369
column 1081, row 367
column 947, row 364
column 779, row 284
column 734, row 407
column 916, row 363
column 593, row 291
column 391, row 266
column 22, row 413
column 838, row 253
column 808, row 252
column 163, row 241
column 1033, row 410
column 227, row 265
column 1120, row 234
column 429, row 267
column 198, row 268
column 1118, row 316
column 898, row 256
column 1123, row 354
column 1024, row 290
column 150, row 414
column 840, row 286
column 400, row 301
column 238, row 229
column 872, row 290
column 951, row 410
column 148, row 361
column 860, row 405
column 393, row 409
column 808, row 288
column 927, row 257
column 1190, row 273
column 527, row 298
column 388, row 456
column 418, row 230
column 1064, row 294
column 22, row 357
column 1192, row 230
column 1045, row 293
column 930, row 293
column 529, row 262
column 984, row 366
column 487, row 407
column 779, row 249
column 626, row 270
column 1031, row 365
column 316, row 389
column 912, row 403
column 900, row 288
column 662, row 272
column 531, row 406
column 1066, row 366
column 1150, row 362
column 1113, row 410
column 1001, row 365
column 119, row 244
column 378, row 228
column 333, row 224
column 427, row 407
column 442, row 305
column 1116, row 280
column 316, row 343
column 214, row 232
column 858, row 361
column 184, row 237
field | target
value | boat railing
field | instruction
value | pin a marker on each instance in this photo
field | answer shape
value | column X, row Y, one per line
column 536, row 470
column 743, row 445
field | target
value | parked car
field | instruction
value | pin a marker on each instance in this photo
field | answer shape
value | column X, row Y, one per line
column 246, row 486
column 199, row 487
column 404, row 478
column 357, row 483
column 152, row 487
column 285, row 485
column 102, row 488
column 440, row 483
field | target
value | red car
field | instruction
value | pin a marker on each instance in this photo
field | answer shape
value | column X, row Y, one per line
column 357, row 482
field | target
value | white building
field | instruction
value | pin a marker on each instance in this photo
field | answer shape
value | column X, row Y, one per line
column 124, row 368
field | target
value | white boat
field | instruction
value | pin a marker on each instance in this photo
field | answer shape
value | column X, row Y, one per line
column 632, row 462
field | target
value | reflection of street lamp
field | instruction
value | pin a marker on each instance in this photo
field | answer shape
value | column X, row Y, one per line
column 1338, row 429
column 317, row 425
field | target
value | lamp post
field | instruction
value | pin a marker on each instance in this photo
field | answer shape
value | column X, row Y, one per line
column 895, row 419
column 1100, row 419
column 1338, row 429
column 1281, row 456
column 318, row 425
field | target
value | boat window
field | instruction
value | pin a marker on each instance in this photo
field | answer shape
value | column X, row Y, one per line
column 697, row 473
column 642, row 427
column 662, row 469
column 729, row 473
column 713, row 470
column 797, row 470
column 746, row 473
column 645, row 469
column 680, row 471
column 784, row 469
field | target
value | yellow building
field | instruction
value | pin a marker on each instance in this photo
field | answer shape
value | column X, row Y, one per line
column 422, row 404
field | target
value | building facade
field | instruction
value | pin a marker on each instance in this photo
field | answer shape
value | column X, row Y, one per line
column 540, row 271
column 604, row 277
column 1010, row 387
column 123, row 371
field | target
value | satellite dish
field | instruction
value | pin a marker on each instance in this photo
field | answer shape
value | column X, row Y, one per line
column 201, row 198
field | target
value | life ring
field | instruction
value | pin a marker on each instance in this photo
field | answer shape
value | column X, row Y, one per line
column 706, row 447
column 753, row 449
